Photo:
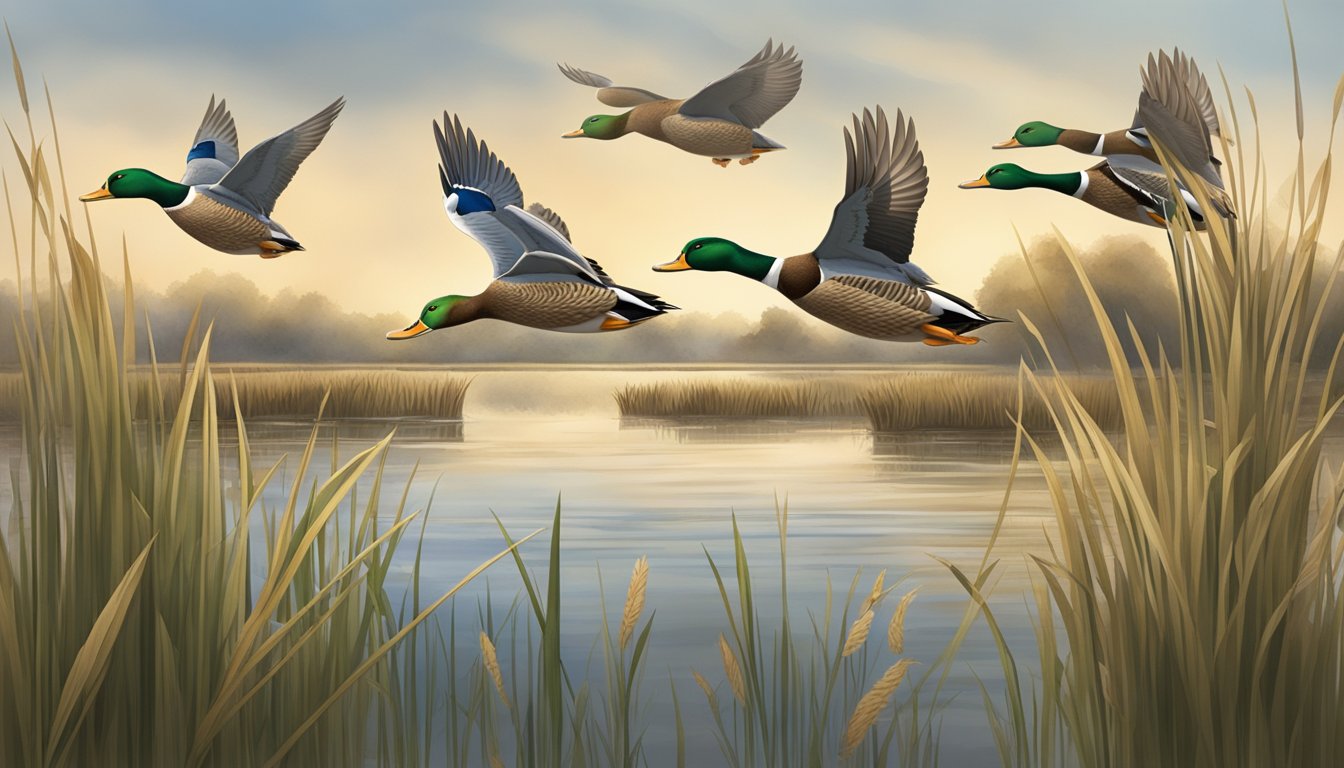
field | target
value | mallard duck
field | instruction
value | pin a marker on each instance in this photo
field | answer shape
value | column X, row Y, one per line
column 720, row 121
column 540, row 280
column 223, row 201
column 1128, row 186
column 860, row 277
column 1175, row 105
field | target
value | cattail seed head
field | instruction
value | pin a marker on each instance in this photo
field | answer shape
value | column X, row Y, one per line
column 733, row 671
column 871, row 705
column 634, row 601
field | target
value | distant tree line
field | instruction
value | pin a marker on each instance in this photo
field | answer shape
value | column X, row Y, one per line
column 1133, row 280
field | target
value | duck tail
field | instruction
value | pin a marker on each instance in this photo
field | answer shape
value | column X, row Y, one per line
column 637, row 306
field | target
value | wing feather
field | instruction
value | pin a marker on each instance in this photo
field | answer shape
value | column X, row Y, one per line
column 264, row 172
column 754, row 92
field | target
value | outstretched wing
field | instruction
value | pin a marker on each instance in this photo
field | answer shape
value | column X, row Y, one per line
column 550, row 217
column 476, row 186
column 1199, row 88
column 754, row 93
column 1170, row 114
column 215, row 149
column 608, row 93
column 537, row 235
column 872, row 231
column 264, row 172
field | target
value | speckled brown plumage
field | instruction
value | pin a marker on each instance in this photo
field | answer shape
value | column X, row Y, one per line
column 546, row 304
column 219, row 226
column 878, row 309
column 1114, row 198
column 700, row 136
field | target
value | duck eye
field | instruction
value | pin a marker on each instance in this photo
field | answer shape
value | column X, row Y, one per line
column 1027, row 130
column 592, row 119
column 119, row 176
column 697, row 246
column 433, row 307
column 994, row 171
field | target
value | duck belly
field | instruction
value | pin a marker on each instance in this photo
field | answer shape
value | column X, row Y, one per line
column 220, row 226
column 553, row 306
column 866, row 306
column 708, row 136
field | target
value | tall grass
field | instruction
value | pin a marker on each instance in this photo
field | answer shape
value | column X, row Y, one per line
column 813, row 698
column 984, row 401
column 1189, row 610
column 294, row 394
column 132, row 627
column 891, row 402
column 740, row 398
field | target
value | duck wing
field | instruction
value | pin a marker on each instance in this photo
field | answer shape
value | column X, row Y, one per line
column 264, row 172
column 476, row 186
column 1147, row 183
column 608, row 92
column 1170, row 113
column 1199, row 88
column 552, row 218
column 215, row 149
column 538, row 236
column 754, row 92
column 872, row 230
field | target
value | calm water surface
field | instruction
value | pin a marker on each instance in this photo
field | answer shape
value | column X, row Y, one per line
column 669, row 492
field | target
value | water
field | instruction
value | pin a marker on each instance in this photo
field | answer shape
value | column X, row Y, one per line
column 669, row 492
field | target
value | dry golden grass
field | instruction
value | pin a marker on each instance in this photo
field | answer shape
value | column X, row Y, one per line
column 634, row 601
column 976, row 401
column 741, row 398
column 272, row 394
column 968, row 399
column 732, row 670
column 871, row 705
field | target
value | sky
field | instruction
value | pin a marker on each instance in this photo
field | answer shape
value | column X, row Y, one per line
column 130, row 81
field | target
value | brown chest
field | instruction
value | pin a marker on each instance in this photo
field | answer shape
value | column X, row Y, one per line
column 219, row 226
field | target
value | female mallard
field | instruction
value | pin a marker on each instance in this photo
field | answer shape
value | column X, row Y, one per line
column 860, row 277
column 719, row 121
column 1175, row 105
column 540, row 280
column 1127, row 186
column 223, row 201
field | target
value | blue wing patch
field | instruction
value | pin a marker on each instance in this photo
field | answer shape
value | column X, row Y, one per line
column 204, row 149
column 472, row 201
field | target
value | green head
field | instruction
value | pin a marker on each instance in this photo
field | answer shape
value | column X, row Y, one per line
column 137, row 182
column 1033, row 134
column 1009, row 176
column 600, row 127
column 436, row 314
column 714, row 254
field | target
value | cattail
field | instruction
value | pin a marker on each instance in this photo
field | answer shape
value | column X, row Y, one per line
column 858, row 633
column 871, row 600
column 896, row 630
column 634, row 600
column 492, row 666
column 733, row 671
column 707, row 688
column 871, row 705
